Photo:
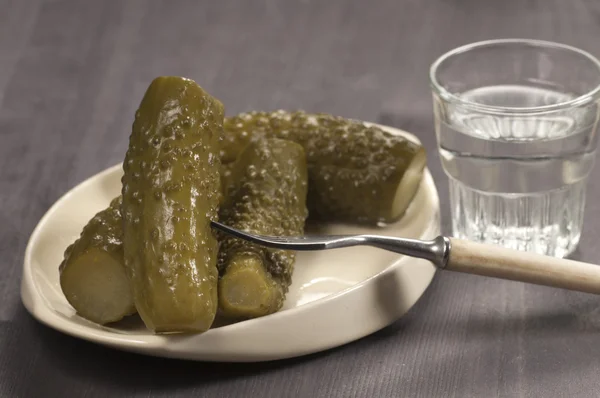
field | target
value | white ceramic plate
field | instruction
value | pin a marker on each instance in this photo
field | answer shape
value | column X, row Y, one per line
column 336, row 297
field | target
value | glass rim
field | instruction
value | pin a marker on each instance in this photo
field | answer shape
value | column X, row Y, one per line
column 450, row 97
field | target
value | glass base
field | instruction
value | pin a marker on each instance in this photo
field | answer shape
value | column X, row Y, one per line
column 547, row 223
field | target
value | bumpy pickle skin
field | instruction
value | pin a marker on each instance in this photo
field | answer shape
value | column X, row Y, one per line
column 357, row 173
column 92, row 273
column 171, row 191
column 266, row 195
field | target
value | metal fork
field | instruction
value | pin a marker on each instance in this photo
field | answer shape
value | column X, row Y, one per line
column 450, row 254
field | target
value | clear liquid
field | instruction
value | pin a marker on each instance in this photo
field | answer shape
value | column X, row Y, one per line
column 518, row 181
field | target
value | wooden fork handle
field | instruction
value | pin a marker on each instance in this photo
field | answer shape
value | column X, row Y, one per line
column 498, row 262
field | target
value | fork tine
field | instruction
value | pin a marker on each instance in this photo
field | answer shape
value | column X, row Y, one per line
column 277, row 242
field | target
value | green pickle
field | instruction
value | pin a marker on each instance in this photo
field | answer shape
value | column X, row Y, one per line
column 171, row 190
column 357, row 173
column 266, row 195
column 92, row 274
column 153, row 250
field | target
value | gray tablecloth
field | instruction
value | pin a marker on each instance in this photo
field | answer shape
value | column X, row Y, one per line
column 71, row 76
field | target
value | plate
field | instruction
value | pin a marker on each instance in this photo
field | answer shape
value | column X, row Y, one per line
column 337, row 296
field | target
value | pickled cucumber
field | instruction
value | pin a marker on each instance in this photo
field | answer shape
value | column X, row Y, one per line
column 357, row 173
column 92, row 274
column 266, row 195
column 171, row 191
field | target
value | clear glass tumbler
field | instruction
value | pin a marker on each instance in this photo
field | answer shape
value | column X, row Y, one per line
column 516, row 124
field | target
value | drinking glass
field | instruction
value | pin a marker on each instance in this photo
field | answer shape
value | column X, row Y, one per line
column 516, row 124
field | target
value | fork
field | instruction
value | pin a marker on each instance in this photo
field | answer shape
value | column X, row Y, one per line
column 451, row 254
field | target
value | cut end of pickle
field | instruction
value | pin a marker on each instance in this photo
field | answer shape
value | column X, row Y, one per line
column 411, row 180
column 96, row 285
column 247, row 290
